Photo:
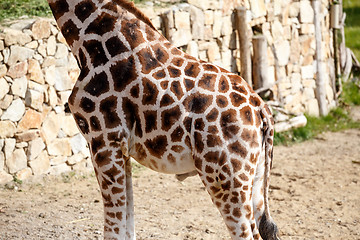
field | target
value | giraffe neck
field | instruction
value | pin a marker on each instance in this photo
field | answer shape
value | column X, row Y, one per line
column 79, row 20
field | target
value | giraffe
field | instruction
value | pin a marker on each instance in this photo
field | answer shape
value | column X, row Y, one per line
column 139, row 97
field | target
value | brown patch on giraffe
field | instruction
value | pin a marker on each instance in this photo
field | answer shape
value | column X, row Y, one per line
column 81, row 122
column 135, row 91
column 247, row 167
column 244, row 234
column 237, row 183
column 130, row 6
column 177, row 148
column 197, row 102
column 157, row 146
column 250, row 136
column 96, row 52
column 108, row 107
column 95, row 124
column 192, row 69
column 198, row 163
column 87, row 105
column 209, row 169
column 213, row 140
column 131, row 31
column 212, row 157
column 147, row 61
column 109, row 6
column 115, row 139
column 189, row 84
column 97, row 143
column 237, row 99
column 150, row 92
column 59, row 8
column 188, row 142
column 254, row 158
column 150, row 33
column 171, row 158
column 223, row 85
column 159, row 74
column 237, row 212
column 239, row 88
column 213, row 115
column 226, row 169
column 174, row 72
column 199, row 124
column 177, row 89
column 115, row 46
column 84, row 9
column 226, row 121
column 160, row 53
column 249, row 211
column 70, row 32
column 170, row 117
column 255, row 101
column 150, row 121
column 258, row 118
column 236, row 164
column 208, row 82
column 176, row 51
column 166, row 100
column 177, row 134
column 210, row 67
column 244, row 177
column 82, row 62
column 123, row 73
column 210, row 179
column 103, row 158
column 246, row 115
column 132, row 117
column 198, row 140
column 238, row 149
column 226, row 209
column 187, row 123
column 140, row 151
column 178, row 62
column 112, row 173
column 213, row 129
column 243, row 196
column 98, row 85
column 222, row 101
column 164, row 84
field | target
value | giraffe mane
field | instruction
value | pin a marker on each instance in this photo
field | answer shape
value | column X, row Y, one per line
column 130, row 6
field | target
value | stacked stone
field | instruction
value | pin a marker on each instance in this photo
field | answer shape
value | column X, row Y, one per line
column 37, row 73
column 290, row 32
column 204, row 30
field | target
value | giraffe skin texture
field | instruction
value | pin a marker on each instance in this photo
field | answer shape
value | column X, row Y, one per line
column 139, row 97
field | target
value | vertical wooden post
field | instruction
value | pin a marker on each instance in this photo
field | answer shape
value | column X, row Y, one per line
column 245, row 54
column 260, row 62
column 320, row 80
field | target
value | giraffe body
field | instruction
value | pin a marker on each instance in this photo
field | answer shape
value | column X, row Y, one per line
column 138, row 96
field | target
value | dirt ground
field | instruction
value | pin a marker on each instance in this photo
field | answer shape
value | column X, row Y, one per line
column 315, row 194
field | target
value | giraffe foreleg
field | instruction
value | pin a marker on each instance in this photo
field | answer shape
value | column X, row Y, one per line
column 113, row 172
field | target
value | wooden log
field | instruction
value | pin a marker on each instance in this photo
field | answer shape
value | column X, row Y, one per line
column 245, row 54
column 260, row 62
column 320, row 75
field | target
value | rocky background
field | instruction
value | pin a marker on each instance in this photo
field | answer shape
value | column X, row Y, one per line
column 37, row 72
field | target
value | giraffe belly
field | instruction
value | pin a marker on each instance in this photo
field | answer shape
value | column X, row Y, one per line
column 176, row 159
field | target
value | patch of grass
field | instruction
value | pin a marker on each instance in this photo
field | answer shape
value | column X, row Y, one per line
column 338, row 119
column 10, row 9
column 351, row 93
column 352, row 27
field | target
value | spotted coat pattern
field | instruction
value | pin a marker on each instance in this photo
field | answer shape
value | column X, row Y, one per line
column 138, row 96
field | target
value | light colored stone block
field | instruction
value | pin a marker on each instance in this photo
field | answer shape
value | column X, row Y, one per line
column 31, row 120
column 19, row 87
column 59, row 147
column 41, row 164
column 35, row 148
column 4, row 88
column 15, row 111
column 306, row 12
column 7, row 129
column 17, row 161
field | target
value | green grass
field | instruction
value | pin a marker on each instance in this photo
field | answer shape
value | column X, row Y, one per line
column 352, row 27
column 338, row 119
column 11, row 9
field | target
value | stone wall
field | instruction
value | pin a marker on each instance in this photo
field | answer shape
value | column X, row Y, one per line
column 207, row 30
column 37, row 72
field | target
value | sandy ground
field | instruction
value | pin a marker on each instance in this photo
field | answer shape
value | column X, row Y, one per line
column 315, row 194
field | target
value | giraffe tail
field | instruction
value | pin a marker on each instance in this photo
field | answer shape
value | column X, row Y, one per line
column 267, row 227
